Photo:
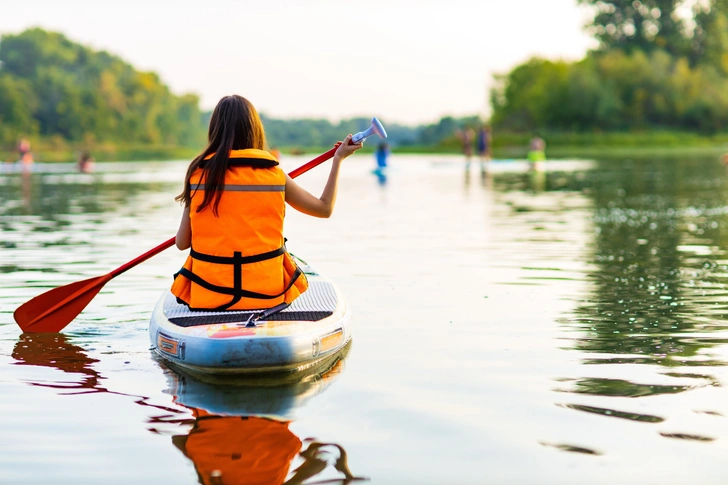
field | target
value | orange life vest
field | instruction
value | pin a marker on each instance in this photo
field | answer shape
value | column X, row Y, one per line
column 238, row 260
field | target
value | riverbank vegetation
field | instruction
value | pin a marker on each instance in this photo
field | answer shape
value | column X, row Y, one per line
column 656, row 69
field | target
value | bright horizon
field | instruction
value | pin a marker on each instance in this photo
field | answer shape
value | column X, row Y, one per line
column 323, row 59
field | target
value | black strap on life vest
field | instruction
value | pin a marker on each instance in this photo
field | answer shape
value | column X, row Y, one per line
column 237, row 260
column 246, row 162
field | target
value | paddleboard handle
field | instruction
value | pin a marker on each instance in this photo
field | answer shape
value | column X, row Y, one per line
column 375, row 129
column 265, row 314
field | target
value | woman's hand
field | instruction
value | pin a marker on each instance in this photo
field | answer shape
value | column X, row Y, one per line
column 346, row 148
column 301, row 200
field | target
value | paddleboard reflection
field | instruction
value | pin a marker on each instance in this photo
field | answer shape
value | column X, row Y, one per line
column 241, row 432
column 238, row 431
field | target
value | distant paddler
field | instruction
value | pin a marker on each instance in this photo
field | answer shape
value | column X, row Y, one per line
column 483, row 143
column 536, row 152
column 25, row 157
column 86, row 162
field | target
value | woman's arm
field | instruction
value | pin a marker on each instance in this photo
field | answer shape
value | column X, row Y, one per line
column 303, row 201
column 183, row 240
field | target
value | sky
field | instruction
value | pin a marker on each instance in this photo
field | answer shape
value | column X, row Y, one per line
column 404, row 61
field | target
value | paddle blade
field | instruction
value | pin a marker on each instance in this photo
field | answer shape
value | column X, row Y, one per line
column 53, row 310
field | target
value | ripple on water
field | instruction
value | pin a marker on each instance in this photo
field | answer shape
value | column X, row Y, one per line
column 572, row 448
column 621, row 388
column 686, row 436
column 645, row 418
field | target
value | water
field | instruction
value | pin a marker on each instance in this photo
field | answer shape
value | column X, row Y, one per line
column 565, row 327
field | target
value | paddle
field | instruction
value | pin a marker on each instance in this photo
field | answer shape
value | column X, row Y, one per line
column 53, row 310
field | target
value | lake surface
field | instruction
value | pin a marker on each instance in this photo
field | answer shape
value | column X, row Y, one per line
column 558, row 327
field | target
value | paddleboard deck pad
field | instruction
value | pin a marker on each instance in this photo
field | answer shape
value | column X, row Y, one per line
column 312, row 328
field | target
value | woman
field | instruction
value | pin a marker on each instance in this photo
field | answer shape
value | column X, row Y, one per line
column 234, row 203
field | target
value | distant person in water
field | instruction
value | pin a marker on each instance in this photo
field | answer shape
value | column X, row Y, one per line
column 536, row 152
column 381, row 156
column 86, row 162
column 467, row 136
column 483, row 143
column 25, row 157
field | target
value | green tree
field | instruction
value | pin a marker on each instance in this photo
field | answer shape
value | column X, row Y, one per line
column 531, row 95
column 590, row 102
column 78, row 94
column 17, row 107
column 643, row 25
column 611, row 90
column 709, row 45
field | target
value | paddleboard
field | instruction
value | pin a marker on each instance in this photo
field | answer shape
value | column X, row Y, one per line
column 314, row 327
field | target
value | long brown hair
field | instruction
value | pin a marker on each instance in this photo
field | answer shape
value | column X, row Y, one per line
column 234, row 125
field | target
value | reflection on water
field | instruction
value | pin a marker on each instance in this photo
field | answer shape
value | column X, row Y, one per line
column 654, row 277
column 241, row 434
column 649, row 327
column 658, row 297
column 236, row 430
column 55, row 351
column 251, row 449
column 573, row 318
column 572, row 448
column 617, row 414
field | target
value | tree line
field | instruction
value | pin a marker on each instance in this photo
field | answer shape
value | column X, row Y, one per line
column 52, row 88
column 655, row 68
column 321, row 132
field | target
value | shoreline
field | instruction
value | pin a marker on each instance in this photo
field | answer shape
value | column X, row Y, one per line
column 554, row 150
